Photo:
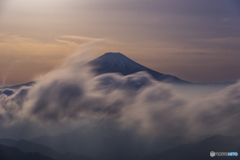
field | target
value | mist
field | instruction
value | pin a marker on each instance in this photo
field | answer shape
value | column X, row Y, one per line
column 139, row 109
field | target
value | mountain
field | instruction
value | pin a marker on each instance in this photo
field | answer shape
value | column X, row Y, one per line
column 200, row 150
column 110, row 63
column 27, row 146
column 102, row 143
column 18, row 86
column 109, row 144
column 119, row 63
column 12, row 153
column 105, row 143
column 7, row 92
column 10, row 90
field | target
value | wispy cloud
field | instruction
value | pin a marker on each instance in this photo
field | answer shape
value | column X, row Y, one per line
column 21, row 52
column 78, row 37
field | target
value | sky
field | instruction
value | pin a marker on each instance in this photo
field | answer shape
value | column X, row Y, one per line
column 197, row 41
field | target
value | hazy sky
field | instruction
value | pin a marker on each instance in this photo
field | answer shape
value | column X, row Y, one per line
column 198, row 41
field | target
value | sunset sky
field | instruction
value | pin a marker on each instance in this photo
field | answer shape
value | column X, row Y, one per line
column 197, row 41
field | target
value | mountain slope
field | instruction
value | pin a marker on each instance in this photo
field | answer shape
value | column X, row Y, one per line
column 100, row 142
column 18, row 86
column 27, row 146
column 11, row 153
column 201, row 150
column 119, row 63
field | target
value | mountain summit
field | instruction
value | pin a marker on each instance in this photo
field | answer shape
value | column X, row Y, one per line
column 118, row 63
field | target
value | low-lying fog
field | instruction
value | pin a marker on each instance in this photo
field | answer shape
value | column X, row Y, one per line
column 134, row 110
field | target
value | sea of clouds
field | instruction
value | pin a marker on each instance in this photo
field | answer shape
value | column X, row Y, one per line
column 71, row 96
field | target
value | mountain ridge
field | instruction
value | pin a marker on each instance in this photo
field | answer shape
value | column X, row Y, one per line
column 31, row 147
column 201, row 149
column 14, row 153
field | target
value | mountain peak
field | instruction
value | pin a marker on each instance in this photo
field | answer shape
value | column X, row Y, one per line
column 116, row 62
column 113, row 57
column 114, row 54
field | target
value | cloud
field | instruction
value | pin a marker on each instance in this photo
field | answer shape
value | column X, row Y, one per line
column 2, row 4
column 78, row 37
column 72, row 95
column 32, row 57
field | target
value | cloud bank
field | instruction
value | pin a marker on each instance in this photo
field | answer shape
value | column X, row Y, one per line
column 71, row 96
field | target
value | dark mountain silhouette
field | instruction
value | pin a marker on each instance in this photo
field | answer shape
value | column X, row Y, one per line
column 127, row 150
column 18, row 86
column 104, row 143
column 99, row 142
column 119, row 63
column 197, row 151
column 7, row 92
column 27, row 146
column 12, row 153
column 10, row 90
column 201, row 150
